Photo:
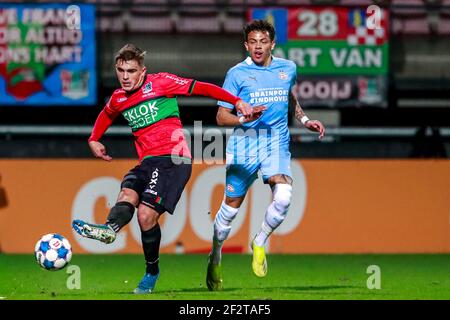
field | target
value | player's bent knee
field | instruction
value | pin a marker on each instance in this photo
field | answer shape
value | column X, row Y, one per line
column 234, row 202
column 147, row 217
column 282, row 196
column 128, row 195
column 226, row 214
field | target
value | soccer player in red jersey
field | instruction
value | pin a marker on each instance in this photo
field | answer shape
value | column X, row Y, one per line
column 148, row 102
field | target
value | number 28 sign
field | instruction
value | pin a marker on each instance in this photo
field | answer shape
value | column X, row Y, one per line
column 331, row 40
column 316, row 23
column 333, row 23
column 341, row 53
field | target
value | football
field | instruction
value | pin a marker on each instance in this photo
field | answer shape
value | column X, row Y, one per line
column 53, row 252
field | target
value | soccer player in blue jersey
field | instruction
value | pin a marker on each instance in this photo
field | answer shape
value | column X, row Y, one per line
column 263, row 144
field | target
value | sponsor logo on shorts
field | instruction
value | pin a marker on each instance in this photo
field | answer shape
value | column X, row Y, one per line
column 153, row 182
column 151, row 191
column 230, row 188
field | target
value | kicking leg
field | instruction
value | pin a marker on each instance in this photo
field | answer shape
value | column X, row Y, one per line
column 119, row 216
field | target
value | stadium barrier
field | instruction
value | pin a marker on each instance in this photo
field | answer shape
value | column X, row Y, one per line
column 338, row 206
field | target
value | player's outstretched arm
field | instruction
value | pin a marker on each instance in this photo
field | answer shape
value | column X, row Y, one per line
column 313, row 125
column 216, row 92
column 101, row 125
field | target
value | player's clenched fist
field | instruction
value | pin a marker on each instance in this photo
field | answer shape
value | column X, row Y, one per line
column 257, row 112
column 244, row 108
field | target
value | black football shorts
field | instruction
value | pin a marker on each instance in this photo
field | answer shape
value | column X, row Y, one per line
column 159, row 182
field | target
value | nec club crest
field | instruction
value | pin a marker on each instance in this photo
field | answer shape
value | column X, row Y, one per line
column 147, row 88
column 75, row 84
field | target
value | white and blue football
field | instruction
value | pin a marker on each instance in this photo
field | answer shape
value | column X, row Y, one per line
column 53, row 252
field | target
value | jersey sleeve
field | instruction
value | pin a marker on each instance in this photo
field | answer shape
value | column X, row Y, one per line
column 103, row 121
column 231, row 85
column 175, row 85
column 110, row 109
column 215, row 92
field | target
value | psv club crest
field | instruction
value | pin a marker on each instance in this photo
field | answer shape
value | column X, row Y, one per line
column 282, row 75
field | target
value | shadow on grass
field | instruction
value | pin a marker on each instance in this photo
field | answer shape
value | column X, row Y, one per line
column 268, row 288
column 188, row 290
column 232, row 289
column 200, row 290
column 306, row 288
column 332, row 290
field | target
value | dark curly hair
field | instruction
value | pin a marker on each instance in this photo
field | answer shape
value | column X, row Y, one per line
column 259, row 25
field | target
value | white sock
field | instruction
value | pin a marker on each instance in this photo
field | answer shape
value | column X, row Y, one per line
column 216, row 252
column 275, row 214
column 222, row 228
column 266, row 230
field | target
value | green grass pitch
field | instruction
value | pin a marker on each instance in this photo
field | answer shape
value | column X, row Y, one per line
column 290, row 277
